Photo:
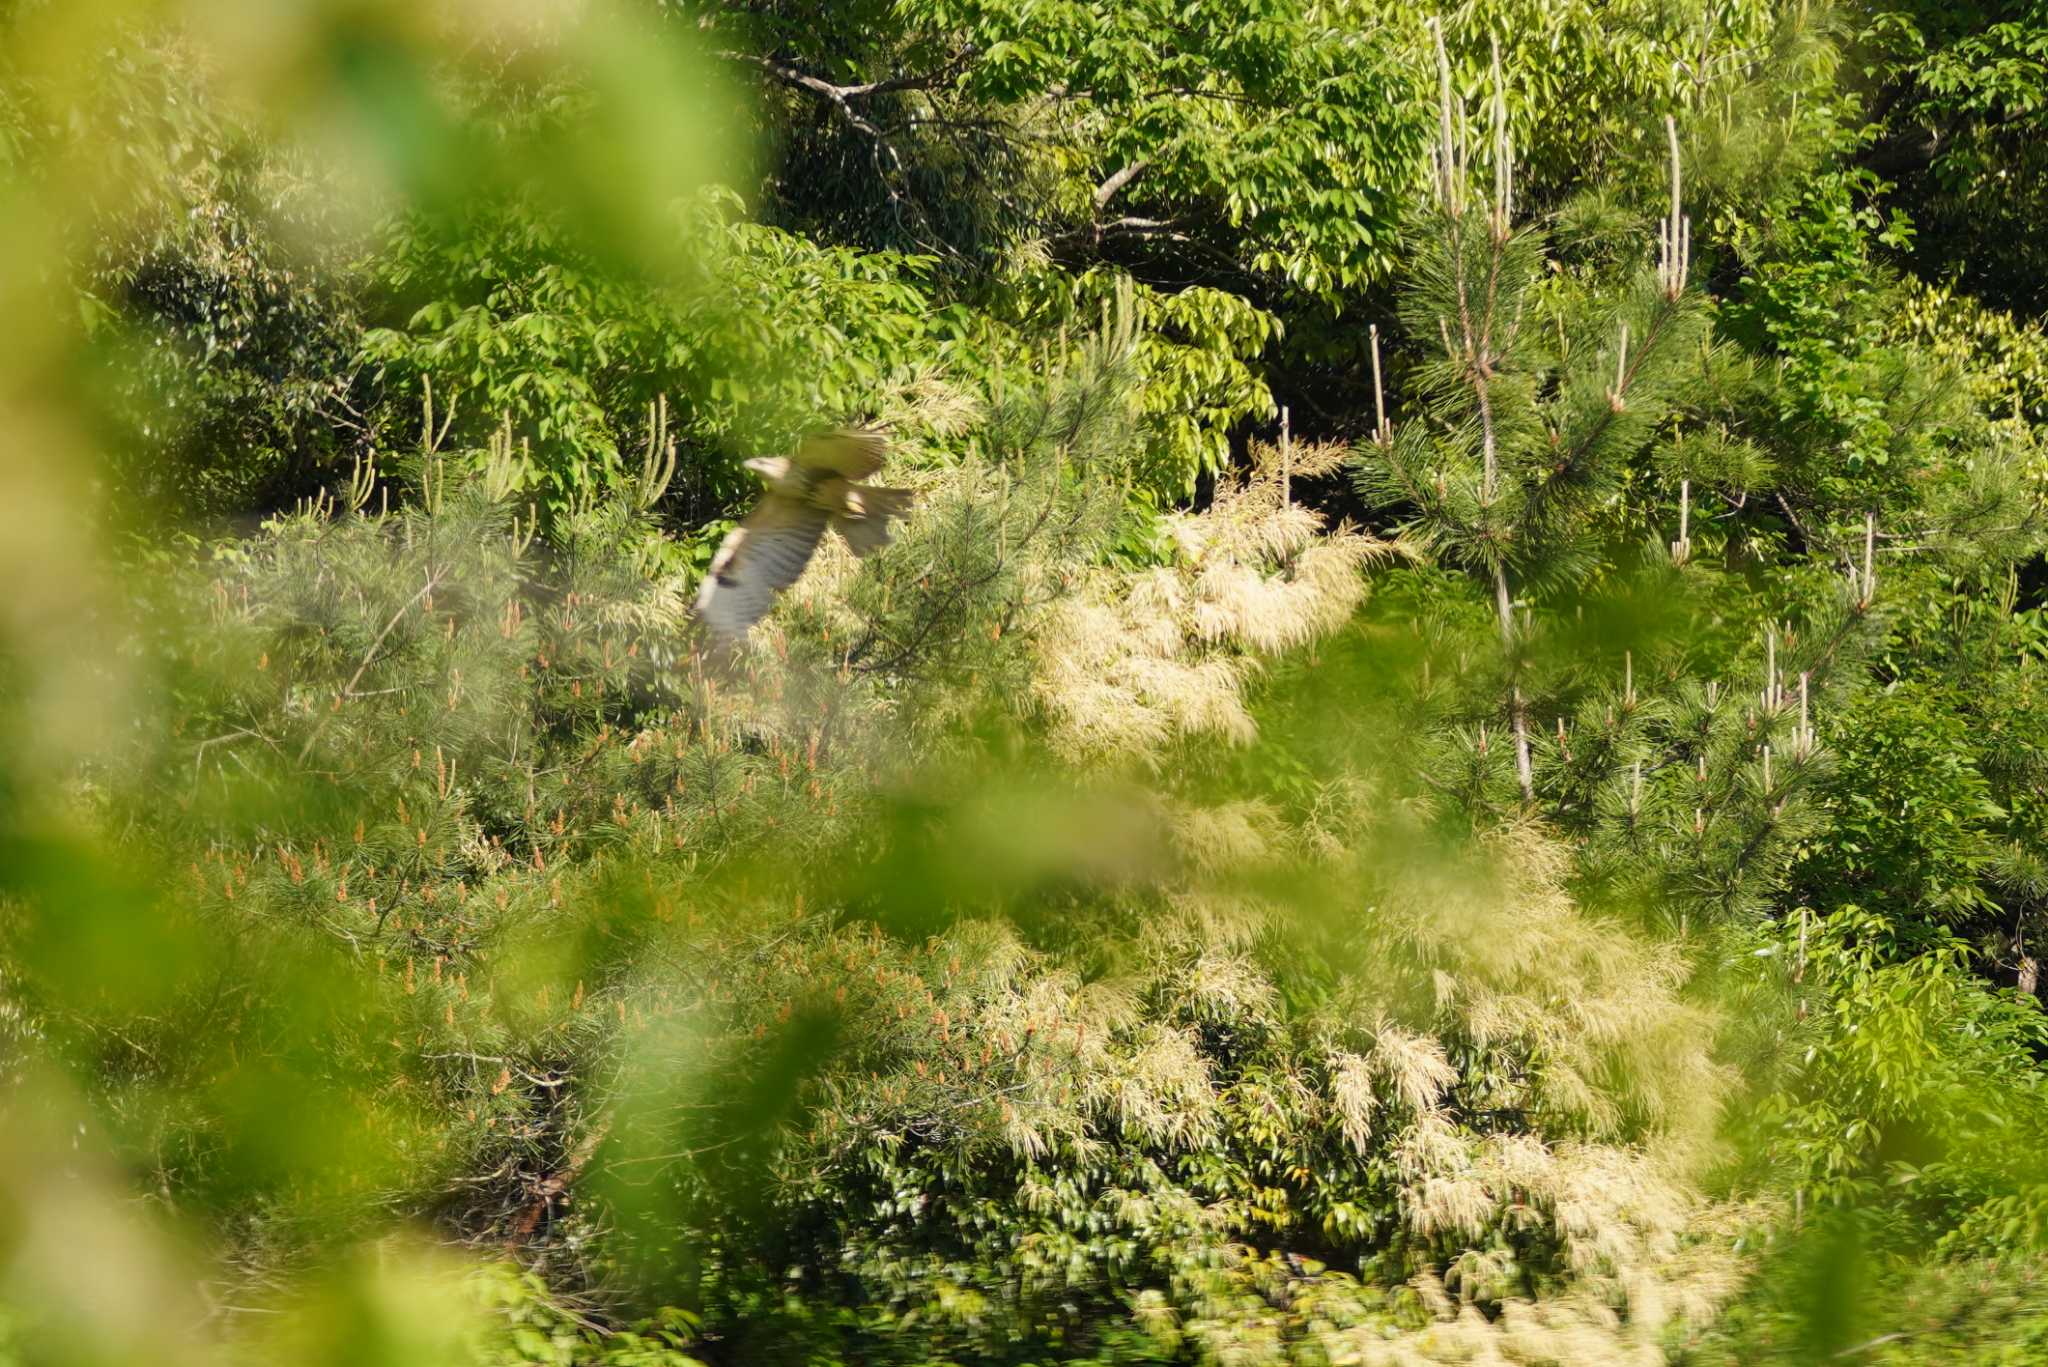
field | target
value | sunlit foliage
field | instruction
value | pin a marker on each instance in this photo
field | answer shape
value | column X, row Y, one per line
column 1449, row 766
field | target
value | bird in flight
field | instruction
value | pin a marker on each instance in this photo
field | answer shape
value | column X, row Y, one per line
column 768, row 551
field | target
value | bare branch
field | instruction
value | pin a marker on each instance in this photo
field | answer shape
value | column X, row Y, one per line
column 843, row 95
column 1108, row 189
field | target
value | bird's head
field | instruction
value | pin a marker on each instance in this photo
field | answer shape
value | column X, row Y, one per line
column 772, row 469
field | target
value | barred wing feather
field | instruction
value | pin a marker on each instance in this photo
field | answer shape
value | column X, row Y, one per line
column 758, row 559
column 848, row 453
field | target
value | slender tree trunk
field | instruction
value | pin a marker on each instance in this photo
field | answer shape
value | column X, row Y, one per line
column 1504, row 605
column 1503, row 601
column 1476, row 331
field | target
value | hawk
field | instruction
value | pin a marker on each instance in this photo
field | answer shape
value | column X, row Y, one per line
column 768, row 551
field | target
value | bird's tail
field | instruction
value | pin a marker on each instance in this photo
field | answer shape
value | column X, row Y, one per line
column 864, row 516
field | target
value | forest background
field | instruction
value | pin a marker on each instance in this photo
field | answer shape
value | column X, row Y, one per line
column 1449, row 769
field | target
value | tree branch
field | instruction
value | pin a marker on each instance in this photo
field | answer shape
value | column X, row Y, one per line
column 842, row 96
column 1108, row 189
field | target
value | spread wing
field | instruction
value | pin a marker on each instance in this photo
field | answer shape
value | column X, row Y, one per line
column 758, row 559
column 862, row 515
column 849, row 453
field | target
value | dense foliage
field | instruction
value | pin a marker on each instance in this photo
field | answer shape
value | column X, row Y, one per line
column 1451, row 766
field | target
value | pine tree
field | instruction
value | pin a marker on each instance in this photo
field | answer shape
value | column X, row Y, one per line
column 1531, row 413
column 1544, row 400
